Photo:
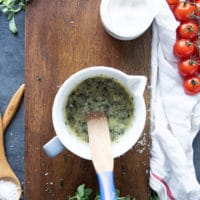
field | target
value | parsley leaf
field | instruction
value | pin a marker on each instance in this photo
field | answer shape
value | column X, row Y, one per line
column 12, row 25
column 11, row 8
column 83, row 193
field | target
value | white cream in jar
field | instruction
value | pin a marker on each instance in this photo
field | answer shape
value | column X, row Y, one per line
column 128, row 19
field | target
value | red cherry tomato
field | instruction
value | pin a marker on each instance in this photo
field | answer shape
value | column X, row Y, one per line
column 197, row 2
column 187, row 30
column 198, row 63
column 172, row 2
column 196, row 47
column 184, row 10
column 183, row 48
column 188, row 67
column 192, row 85
column 171, row 7
column 198, row 6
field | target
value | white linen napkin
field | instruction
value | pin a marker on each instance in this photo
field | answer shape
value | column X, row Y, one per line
column 175, row 117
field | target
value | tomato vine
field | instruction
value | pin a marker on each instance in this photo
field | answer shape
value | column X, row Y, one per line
column 187, row 45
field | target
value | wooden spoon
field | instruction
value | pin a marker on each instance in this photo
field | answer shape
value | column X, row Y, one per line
column 13, row 106
column 101, row 153
column 6, row 173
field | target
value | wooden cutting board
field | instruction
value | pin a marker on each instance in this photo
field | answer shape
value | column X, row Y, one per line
column 63, row 37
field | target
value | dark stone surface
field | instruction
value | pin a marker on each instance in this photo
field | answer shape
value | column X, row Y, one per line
column 11, row 76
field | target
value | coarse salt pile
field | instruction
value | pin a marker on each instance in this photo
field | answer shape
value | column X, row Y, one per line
column 8, row 190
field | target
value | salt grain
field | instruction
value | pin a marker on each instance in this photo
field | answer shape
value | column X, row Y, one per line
column 149, row 87
column 141, row 150
column 8, row 190
column 142, row 144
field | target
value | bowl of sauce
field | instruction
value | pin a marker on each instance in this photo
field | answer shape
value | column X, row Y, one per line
column 99, row 94
column 94, row 89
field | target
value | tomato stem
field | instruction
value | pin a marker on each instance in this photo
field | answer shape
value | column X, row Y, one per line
column 190, row 29
column 185, row 2
column 198, row 18
column 192, row 61
column 188, row 43
column 194, row 82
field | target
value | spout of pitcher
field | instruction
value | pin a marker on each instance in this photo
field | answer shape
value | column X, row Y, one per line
column 137, row 84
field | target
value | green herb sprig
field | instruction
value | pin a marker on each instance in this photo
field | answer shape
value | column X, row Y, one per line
column 11, row 8
column 83, row 193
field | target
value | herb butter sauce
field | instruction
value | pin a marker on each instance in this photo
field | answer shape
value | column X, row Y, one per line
column 99, row 94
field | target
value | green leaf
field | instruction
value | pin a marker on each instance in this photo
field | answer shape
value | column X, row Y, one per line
column 128, row 198
column 12, row 25
column 83, row 193
column 88, row 192
column 97, row 197
column 72, row 198
column 10, row 16
column 10, row 8
column 1, row 7
column 5, row 10
column 118, row 192
column 22, row 5
column 81, row 190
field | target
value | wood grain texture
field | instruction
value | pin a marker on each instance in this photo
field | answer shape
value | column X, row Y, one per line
column 61, row 38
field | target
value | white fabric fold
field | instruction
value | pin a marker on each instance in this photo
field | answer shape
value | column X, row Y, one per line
column 175, row 117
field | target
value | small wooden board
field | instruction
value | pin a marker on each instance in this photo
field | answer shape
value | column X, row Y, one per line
column 63, row 37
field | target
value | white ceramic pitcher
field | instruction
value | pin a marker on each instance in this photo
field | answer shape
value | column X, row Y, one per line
column 135, row 85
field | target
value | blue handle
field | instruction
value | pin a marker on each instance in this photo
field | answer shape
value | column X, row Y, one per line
column 53, row 147
column 107, row 187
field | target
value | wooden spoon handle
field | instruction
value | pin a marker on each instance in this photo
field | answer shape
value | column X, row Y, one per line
column 13, row 106
column 101, row 153
column 2, row 150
